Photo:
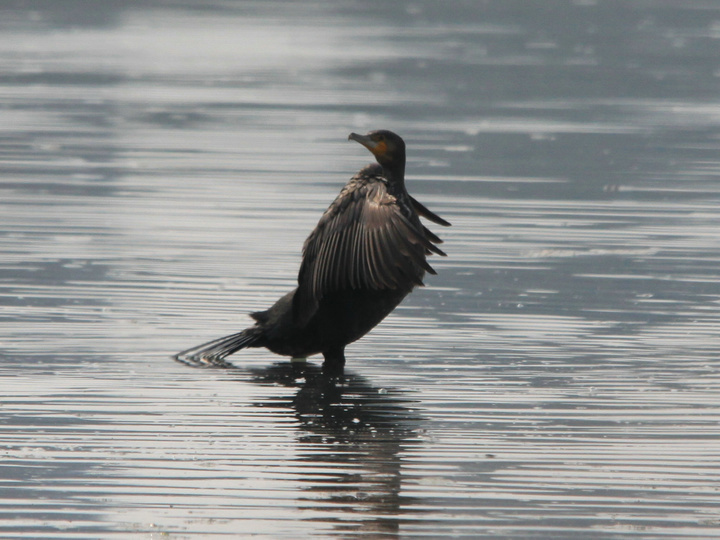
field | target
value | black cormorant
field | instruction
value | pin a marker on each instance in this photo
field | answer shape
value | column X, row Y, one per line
column 367, row 252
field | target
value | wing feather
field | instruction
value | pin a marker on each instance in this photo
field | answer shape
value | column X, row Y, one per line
column 421, row 209
column 363, row 241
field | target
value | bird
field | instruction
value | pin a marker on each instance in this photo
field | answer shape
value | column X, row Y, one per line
column 367, row 253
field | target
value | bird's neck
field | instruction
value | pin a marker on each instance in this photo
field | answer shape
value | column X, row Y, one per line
column 395, row 176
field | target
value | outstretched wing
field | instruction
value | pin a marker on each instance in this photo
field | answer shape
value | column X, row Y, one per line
column 363, row 241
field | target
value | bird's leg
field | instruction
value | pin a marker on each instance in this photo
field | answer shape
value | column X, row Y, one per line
column 334, row 363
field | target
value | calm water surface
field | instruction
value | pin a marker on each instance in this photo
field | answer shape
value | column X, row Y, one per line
column 160, row 167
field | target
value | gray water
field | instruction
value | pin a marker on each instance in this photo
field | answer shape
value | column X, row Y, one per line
column 161, row 164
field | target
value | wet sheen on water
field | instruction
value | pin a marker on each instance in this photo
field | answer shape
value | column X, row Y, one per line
column 161, row 167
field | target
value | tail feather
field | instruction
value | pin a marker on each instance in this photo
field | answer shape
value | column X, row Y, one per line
column 214, row 352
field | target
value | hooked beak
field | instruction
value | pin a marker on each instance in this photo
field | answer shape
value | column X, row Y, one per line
column 366, row 141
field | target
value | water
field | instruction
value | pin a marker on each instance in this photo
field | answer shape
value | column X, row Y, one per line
column 161, row 166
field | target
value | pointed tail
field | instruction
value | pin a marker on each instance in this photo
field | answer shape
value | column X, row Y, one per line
column 213, row 353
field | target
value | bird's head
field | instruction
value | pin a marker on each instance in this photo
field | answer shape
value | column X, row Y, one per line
column 387, row 147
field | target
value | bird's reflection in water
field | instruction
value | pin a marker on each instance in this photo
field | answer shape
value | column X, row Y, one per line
column 354, row 436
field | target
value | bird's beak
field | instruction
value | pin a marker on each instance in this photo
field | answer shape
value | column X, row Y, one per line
column 366, row 141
